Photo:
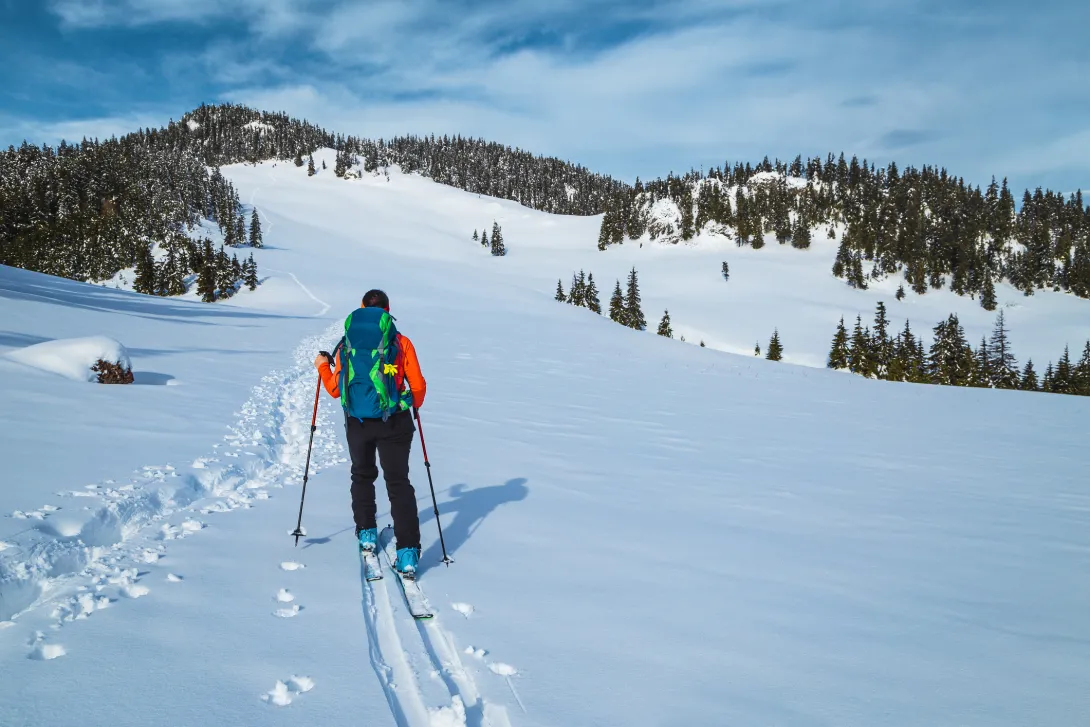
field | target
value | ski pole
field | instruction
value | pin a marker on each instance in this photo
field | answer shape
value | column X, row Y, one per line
column 306, row 472
column 447, row 560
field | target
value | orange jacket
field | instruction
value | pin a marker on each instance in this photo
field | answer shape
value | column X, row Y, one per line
column 408, row 368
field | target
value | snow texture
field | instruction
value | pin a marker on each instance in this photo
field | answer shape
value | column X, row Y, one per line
column 857, row 552
column 73, row 358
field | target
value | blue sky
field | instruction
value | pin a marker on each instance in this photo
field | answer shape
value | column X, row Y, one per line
column 630, row 88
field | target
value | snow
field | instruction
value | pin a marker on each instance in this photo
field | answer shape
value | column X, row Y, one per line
column 73, row 358
column 261, row 126
column 744, row 542
column 193, row 125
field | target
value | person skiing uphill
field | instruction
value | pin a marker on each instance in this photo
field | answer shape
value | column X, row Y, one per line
column 375, row 373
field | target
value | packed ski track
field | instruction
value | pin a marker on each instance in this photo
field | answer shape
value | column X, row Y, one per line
column 70, row 568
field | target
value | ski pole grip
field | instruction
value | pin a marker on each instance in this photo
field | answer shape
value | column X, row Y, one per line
column 328, row 356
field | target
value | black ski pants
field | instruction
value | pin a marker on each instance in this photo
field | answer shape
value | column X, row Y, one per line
column 391, row 440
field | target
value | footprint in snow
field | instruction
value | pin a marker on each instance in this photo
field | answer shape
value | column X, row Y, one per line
column 289, row 565
column 289, row 612
column 504, row 670
column 174, row 578
column 135, row 591
column 283, row 692
column 463, row 608
column 474, row 652
column 284, row 596
column 47, row 652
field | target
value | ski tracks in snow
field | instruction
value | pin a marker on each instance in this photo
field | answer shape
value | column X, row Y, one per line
column 421, row 666
column 88, row 555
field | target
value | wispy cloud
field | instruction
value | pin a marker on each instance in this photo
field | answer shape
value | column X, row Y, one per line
column 642, row 86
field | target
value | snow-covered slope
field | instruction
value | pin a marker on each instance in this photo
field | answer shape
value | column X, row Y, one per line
column 645, row 532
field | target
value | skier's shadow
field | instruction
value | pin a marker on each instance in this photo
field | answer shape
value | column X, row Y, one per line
column 470, row 507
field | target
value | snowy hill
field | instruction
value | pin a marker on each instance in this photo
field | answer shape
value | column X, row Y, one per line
column 645, row 532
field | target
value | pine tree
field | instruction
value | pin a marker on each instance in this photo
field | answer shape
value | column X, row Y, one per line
column 1063, row 379
column 476, row 237
column 881, row 346
column 664, row 326
column 250, row 273
column 702, row 343
column 838, row 353
column 206, row 281
column 299, row 159
column 310, row 166
column 342, row 164
column 1082, row 373
column 987, row 294
column 1002, row 364
column 633, row 311
column 175, row 283
column 900, row 292
column 591, row 295
column 498, row 250
column 145, row 272
column 757, row 349
column 240, row 230
column 950, row 361
column 577, row 296
column 726, row 271
column 1046, row 381
column 560, row 297
column 256, row 238
column 484, row 239
column 982, row 366
column 617, row 311
column 859, row 353
column 775, row 350
column 1029, row 378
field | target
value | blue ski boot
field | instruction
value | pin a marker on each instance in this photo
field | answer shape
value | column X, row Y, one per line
column 407, row 561
column 367, row 538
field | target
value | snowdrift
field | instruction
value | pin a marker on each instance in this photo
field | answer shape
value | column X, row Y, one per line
column 74, row 358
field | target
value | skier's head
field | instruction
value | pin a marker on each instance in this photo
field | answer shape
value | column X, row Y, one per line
column 376, row 299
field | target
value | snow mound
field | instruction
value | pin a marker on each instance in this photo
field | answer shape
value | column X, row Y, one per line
column 73, row 358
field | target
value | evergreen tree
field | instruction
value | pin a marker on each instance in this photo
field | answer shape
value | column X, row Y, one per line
column 951, row 359
column 775, row 349
column 578, row 294
column 900, row 292
column 1029, row 378
column 498, row 250
column 310, row 166
column 250, row 273
column 1046, row 381
column 881, row 346
column 987, row 294
column 590, row 294
column 982, row 366
column 838, row 354
column 1002, row 365
column 757, row 349
column 633, row 311
column 859, row 353
column 664, row 326
column 256, row 238
column 341, row 166
column 617, row 311
column 726, row 271
column 299, row 159
column 240, row 230
column 560, row 297
column 206, row 281
column 145, row 272
column 175, row 282
column 1063, row 378
column 702, row 343
column 476, row 237
column 484, row 239
column 1082, row 373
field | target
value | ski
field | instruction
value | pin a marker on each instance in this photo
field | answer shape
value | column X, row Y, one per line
column 372, row 570
column 414, row 595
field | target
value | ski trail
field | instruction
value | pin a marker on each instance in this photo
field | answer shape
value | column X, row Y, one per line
column 388, row 657
column 391, row 657
column 79, row 560
column 305, row 289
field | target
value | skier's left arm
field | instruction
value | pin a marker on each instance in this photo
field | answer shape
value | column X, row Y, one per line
column 413, row 375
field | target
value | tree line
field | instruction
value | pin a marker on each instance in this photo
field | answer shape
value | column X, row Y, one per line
column 925, row 224
column 950, row 360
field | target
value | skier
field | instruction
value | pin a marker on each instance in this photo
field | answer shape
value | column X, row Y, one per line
column 376, row 375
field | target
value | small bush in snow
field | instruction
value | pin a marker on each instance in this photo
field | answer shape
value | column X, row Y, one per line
column 112, row 373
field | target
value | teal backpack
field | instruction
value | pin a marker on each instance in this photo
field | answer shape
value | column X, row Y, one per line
column 370, row 381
